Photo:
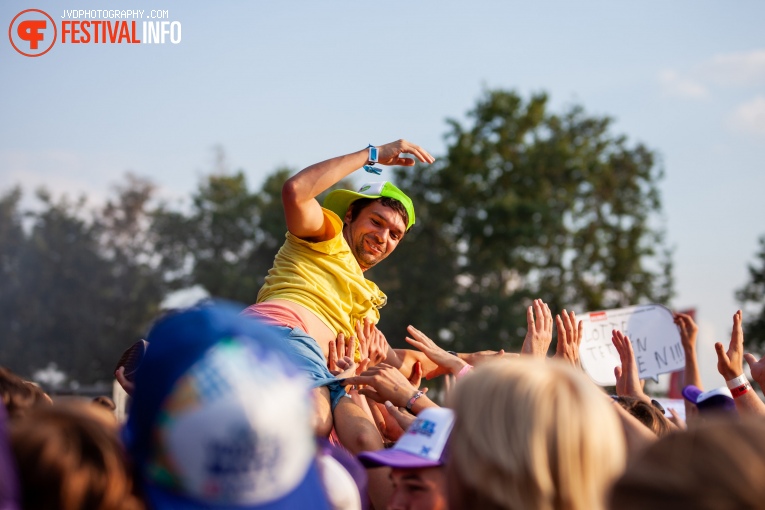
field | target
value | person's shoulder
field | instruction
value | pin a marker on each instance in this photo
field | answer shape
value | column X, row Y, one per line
column 332, row 243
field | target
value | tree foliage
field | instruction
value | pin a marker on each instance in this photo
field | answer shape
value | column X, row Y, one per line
column 526, row 203
column 228, row 241
column 752, row 298
column 81, row 287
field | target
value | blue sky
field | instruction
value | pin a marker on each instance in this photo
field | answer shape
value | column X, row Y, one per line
column 290, row 83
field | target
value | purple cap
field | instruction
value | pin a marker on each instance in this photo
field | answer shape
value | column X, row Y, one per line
column 718, row 399
column 9, row 490
column 423, row 445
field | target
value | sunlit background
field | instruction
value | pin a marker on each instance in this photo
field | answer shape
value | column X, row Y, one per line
column 290, row 83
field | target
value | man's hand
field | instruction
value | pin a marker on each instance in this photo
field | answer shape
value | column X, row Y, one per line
column 372, row 342
column 688, row 331
column 390, row 154
column 402, row 418
column 384, row 382
column 730, row 364
column 337, row 350
column 539, row 333
column 569, row 338
column 449, row 362
column 342, row 365
column 627, row 378
column 757, row 368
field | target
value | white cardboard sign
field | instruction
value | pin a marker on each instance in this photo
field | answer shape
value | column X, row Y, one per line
column 655, row 340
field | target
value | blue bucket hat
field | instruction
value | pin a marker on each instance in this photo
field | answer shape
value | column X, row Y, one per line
column 221, row 419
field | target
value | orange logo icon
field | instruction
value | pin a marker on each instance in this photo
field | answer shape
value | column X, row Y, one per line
column 32, row 32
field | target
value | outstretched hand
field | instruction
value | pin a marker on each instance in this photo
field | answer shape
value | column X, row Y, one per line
column 384, row 382
column 688, row 331
column 730, row 363
column 340, row 359
column 627, row 378
column 403, row 419
column 372, row 342
column 449, row 362
column 390, row 154
column 757, row 368
column 569, row 338
column 539, row 333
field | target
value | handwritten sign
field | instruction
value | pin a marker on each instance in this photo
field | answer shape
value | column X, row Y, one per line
column 654, row 336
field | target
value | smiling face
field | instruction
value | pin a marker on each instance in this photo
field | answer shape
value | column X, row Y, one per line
column 418, row 489
column 374, row 233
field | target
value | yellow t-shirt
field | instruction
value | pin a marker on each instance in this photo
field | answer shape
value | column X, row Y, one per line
column 325, row 278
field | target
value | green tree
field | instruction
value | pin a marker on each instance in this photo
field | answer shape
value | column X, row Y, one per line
column 228, row 241
column 526, row 203
column 86, row 288
column 12, row 247
column 752, row 299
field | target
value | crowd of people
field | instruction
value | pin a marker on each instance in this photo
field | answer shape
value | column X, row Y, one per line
column 299, row 401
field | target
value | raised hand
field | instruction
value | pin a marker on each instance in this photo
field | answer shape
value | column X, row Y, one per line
column 539, row 333
column 757, row 368
column 730, row 363
column 339, row 349
column 569, row 338
column 372, row 341
column 384, row 382
column 688, row 331
column 390, row 153
column 627, row 378
column 449, row 362
column 402, row 418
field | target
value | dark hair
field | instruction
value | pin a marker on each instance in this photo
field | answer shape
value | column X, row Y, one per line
column 69, row 459
column 718, row 465
column 19, row 395
column 359, row 205
column 646, row 414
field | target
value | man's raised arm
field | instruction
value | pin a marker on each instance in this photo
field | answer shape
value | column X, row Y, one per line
column 301, row 209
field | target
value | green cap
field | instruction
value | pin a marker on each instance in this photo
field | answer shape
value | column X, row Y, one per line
column 339, row 200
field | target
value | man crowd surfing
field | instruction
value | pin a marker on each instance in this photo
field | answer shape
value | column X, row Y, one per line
column 298, row 401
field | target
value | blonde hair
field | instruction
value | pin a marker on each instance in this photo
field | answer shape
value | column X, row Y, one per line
column 532, row 435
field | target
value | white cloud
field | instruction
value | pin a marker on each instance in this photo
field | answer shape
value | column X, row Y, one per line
column 725, row 70
column 59, row 171
column 674, row 85
column 749, row 117
column 735, row 69
column 73, row 173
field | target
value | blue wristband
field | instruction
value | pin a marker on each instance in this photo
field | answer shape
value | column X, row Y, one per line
column 370, row 168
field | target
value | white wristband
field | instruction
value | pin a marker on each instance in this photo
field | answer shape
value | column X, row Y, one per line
column 737, row 381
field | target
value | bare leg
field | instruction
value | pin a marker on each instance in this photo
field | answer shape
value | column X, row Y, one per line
column 358, row 433
column 322, row 414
